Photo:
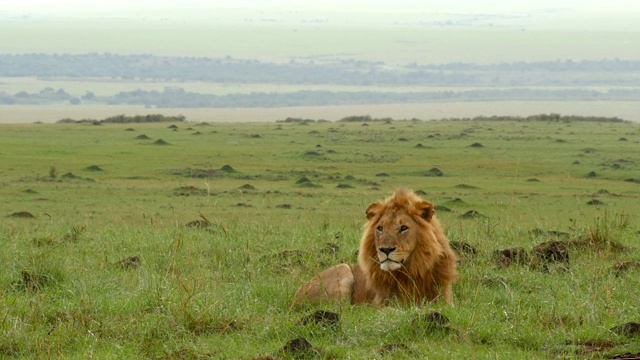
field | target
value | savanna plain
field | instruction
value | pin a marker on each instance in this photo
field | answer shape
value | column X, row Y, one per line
column 188, row 240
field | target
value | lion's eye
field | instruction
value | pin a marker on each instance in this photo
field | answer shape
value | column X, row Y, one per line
column 379, row 228
column 404, row 228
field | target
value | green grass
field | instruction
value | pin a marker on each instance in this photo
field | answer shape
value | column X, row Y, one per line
column 224, row 291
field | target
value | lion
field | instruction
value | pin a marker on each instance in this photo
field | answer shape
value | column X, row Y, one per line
column 403, row 255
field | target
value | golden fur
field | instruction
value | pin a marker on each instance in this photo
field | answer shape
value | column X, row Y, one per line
column 403, row 254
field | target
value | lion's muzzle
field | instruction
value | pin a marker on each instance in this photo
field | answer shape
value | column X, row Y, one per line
column 387, row 263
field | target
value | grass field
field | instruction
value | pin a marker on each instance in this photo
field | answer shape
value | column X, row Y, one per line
column 106, row 268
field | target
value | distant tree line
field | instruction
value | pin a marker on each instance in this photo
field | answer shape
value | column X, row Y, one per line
column 548, row 80
column 219, row 70
column 124, row 119
column 539, row 117
column 176, row 97
column 544, row 118
column 338, row 72
column 45, row 96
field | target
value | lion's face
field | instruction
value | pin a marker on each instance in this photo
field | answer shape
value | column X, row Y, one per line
column 396, row 231
column 394, row 239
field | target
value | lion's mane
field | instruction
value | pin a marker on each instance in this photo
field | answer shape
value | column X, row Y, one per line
column 429, row 268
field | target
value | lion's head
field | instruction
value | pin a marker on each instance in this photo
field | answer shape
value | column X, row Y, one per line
column 404, row 252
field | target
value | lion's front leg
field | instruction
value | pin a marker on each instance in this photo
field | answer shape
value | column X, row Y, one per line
column 335, row 284
column 447, row 295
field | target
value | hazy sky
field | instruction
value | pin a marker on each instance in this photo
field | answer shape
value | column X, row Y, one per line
column 93, row 6
column 163, row 26
column 589, row 15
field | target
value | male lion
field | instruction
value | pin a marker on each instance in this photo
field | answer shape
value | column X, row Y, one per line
column 404, row 254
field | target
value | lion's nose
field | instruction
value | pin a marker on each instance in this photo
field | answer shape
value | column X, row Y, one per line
column 387, row 250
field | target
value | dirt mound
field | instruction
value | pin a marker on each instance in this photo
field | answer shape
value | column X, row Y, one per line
column 93, row 168
column 433, row 322
column 621, row 267
column 442, row 208
column 466, row 186
column 456, row 201
column 130, row 262
column 22, row 215
column 434, row 172
column 552, row 251
column 322, row 318
column 471, row 214
column 515, row 255
column 462, row 248
column 197, row 224
column 628, row 329
column 299, row 348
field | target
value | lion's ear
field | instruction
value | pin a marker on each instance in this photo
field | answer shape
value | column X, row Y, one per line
column 425, row 209
column 373, row 209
